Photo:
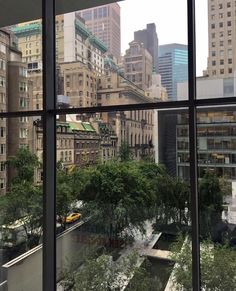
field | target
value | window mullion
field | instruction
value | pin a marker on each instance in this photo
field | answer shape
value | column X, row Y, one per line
column 49, row 138
column 193, row 146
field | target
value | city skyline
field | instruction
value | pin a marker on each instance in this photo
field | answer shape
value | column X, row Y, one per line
column 168, row 32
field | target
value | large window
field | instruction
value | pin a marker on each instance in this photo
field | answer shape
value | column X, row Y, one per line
column 117, row 145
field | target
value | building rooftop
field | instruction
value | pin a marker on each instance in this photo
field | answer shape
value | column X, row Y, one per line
column 81, row 126
column 86, row 33
column 27, row 28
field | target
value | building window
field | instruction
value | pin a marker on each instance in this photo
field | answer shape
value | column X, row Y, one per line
column 2, row 149
column 2, row 64
column 3, row 98
column 24, row 119
column 2, row 183
column 230, row 53
column 23, row 133
column 221, row 24
column 221, row 62
column 2, row 48
column 2, row 166
column 23, row 87
column 120, row 124
column 22, row 71
column 23, row 102
column 2, row 81
column 2, row 131
column 221, row 53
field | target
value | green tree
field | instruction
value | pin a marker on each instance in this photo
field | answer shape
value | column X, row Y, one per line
column 117, row 198
column 125, row 152
column 103, row 274
column 171, row 201
column 210, row 203
column 24, row 163
column 218, row 266
column 24, row 200
column 225, row 186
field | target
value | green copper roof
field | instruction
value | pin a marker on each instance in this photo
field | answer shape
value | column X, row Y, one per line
column 76, row 126
column 85, row 32
column 98, row 43
column 82, row 28
column 88, row 126
column 30, row 28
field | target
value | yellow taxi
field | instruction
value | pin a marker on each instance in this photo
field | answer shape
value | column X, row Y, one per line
column 73, row 217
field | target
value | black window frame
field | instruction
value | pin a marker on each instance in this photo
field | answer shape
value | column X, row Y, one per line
column 50, row 111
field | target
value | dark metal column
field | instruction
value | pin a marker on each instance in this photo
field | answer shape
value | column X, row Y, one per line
column 193, row 145
column 49, row 140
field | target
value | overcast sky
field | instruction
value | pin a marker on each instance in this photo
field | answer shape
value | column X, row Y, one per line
column 170, row 17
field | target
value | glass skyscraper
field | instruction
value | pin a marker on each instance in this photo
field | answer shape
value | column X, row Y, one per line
column 173, row 66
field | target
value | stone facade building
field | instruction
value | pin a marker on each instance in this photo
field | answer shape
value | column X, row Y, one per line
column 221, row 40
column 138, row 65
column 77, row 49
column 15, row 95
column 132, row 127
column 80, row 84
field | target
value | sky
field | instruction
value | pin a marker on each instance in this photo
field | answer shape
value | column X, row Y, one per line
column 170, row 17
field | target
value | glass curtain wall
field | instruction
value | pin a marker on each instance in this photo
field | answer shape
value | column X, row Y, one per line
column 116, row 161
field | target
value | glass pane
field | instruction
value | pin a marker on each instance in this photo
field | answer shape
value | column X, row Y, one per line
column 120, row 203
column 105, row 59
column 21, row 203
column 217, row 170
column 215, row 48
column 173, row 153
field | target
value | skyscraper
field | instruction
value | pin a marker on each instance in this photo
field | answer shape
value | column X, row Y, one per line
column 149, row 39
column 221, row 40
column 173, row 66
column 104, row 22
column 138, row 65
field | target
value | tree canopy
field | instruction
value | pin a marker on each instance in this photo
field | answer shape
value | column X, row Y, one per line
column 210, row 203
column 117, row 197
column 218, row 266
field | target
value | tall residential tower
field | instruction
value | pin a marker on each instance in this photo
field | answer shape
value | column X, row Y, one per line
column 221, row 40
